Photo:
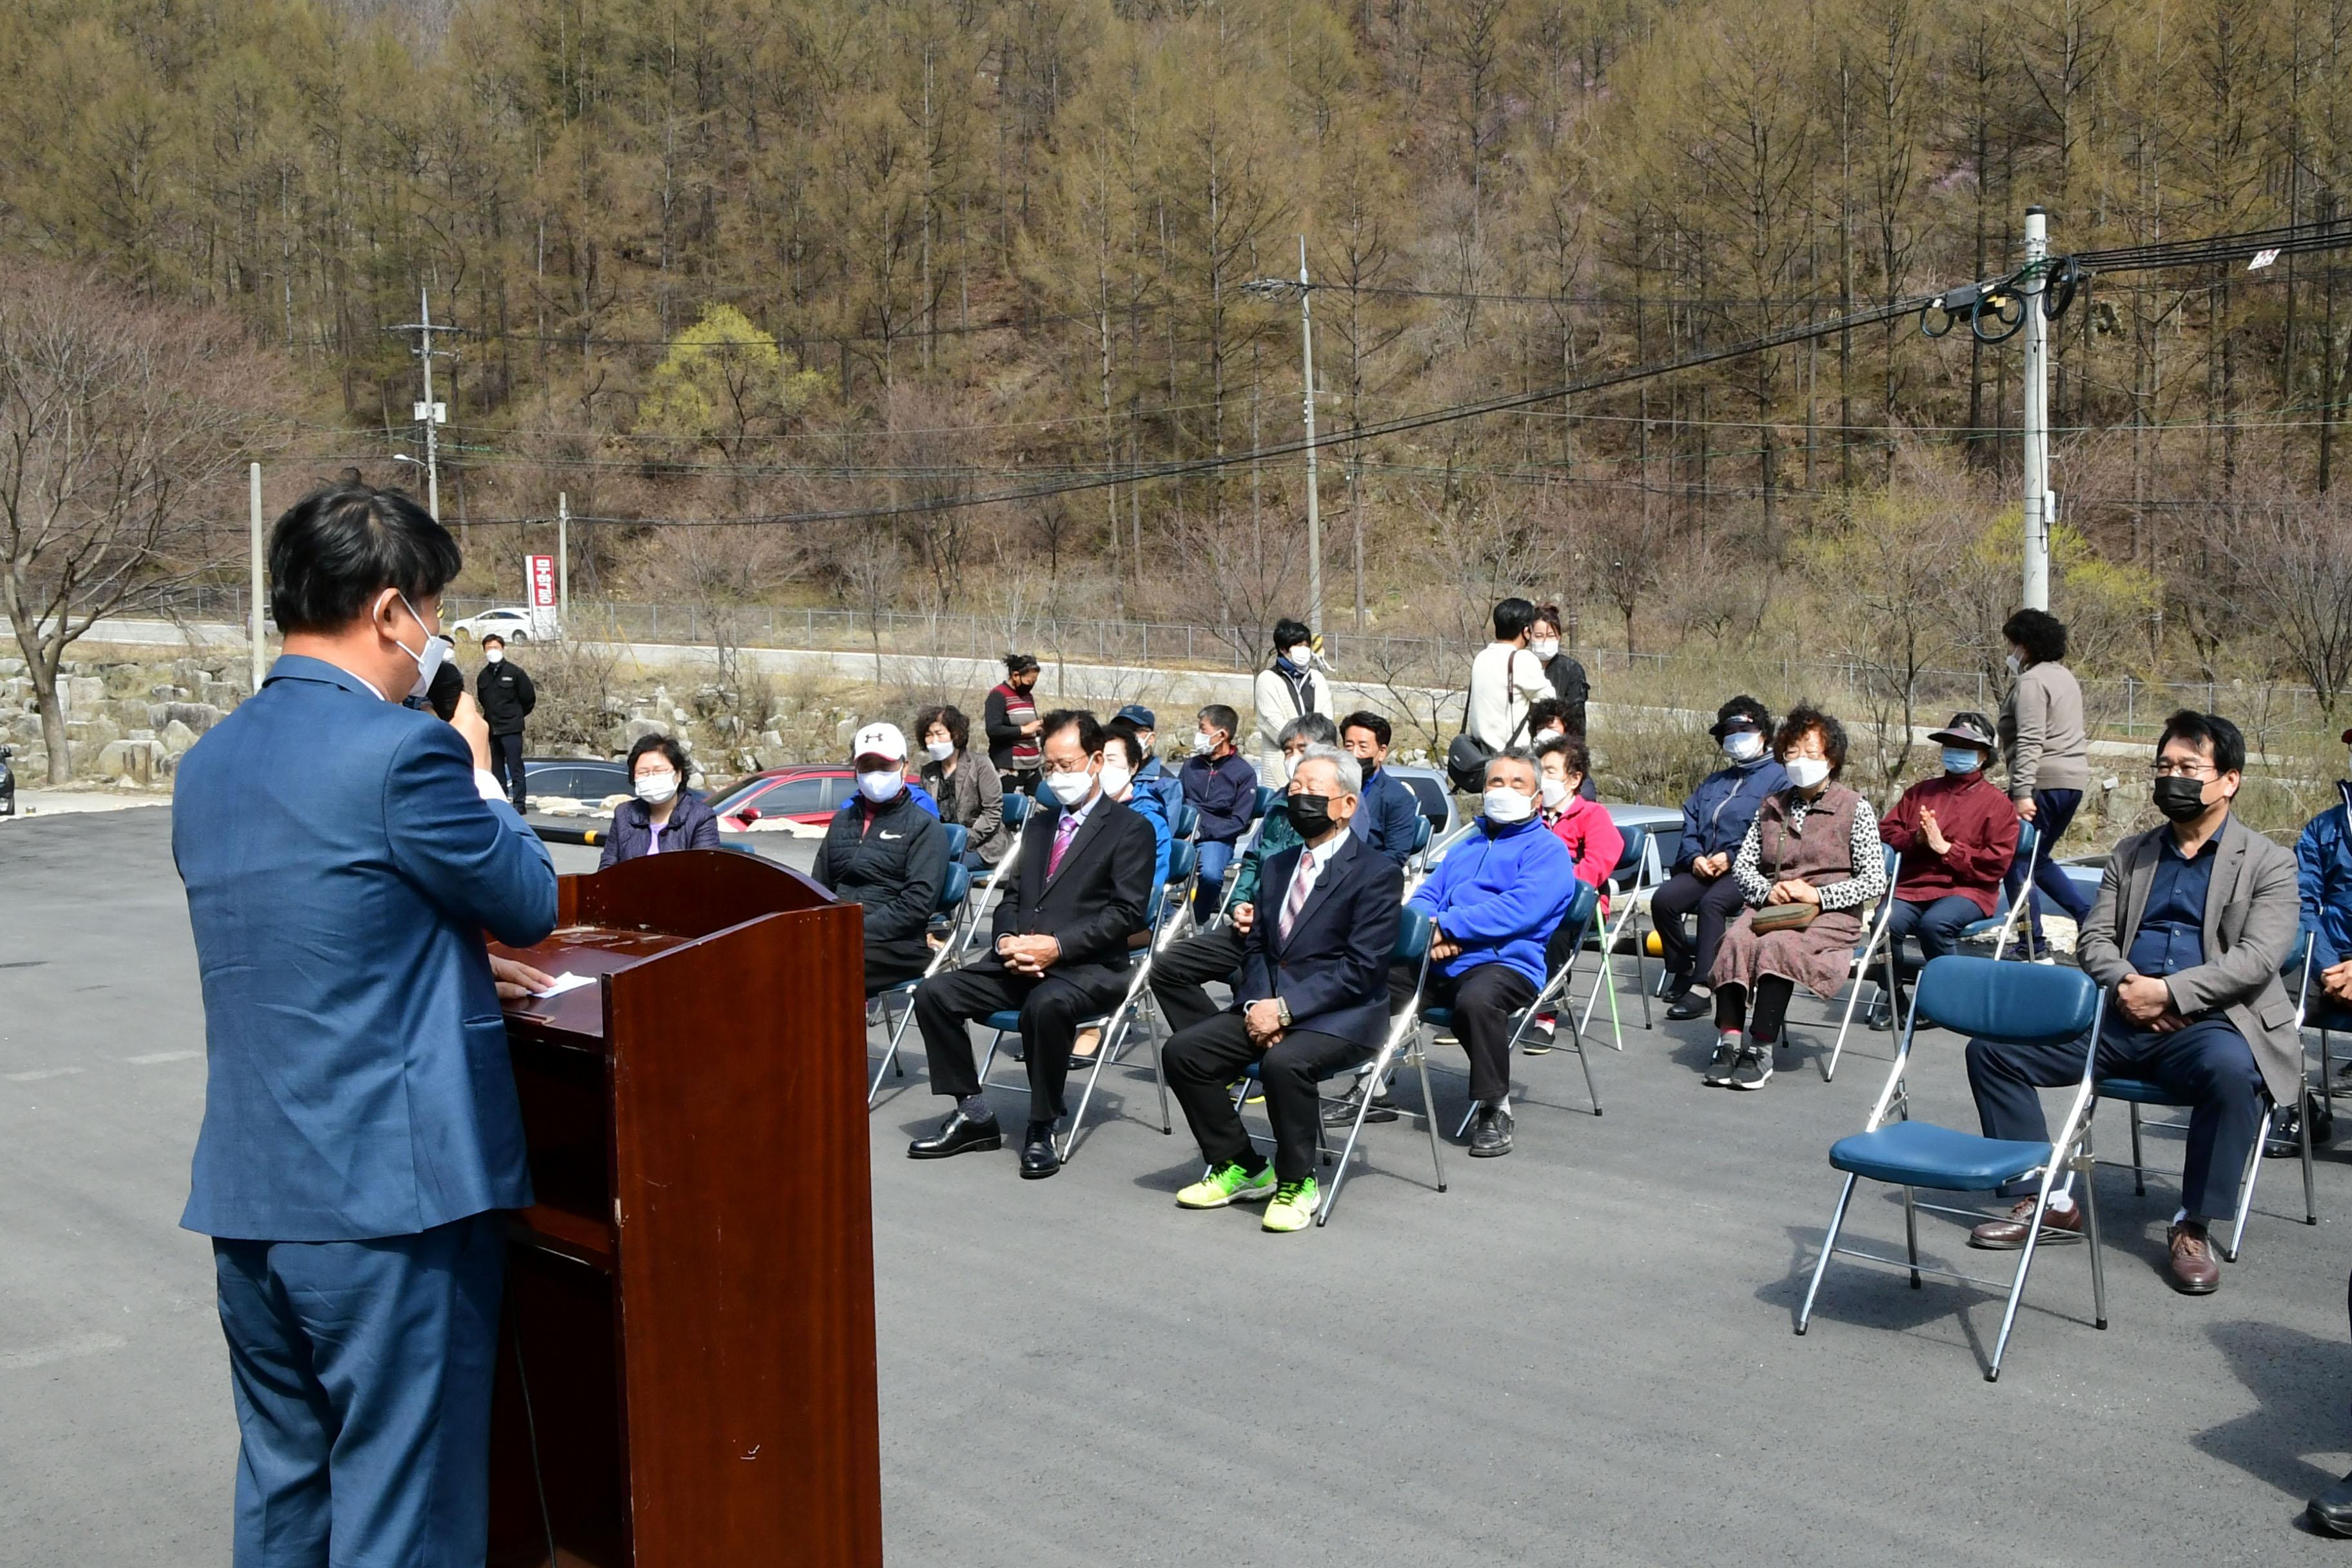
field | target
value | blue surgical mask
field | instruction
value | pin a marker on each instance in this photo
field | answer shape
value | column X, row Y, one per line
column 1962, row 759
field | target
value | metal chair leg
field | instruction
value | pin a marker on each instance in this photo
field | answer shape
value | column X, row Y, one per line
column 890, row 1057
column 1641, row 968
column 1853, row 994
column 1584, row 1060
column 1911, row 1232
column 2139, row 1177
column 2310, row 1203
column 2017, row 1286
column 2246, row 1185
column 2089, row 1199
column 1829, row 1246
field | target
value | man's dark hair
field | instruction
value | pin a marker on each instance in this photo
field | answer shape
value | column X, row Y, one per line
column 489, row 638
column 2042, row 634
column 1545, row 710
column 1746, row 707
column 1513, row 617
column 1365, row 718
column 1019, row 664
column 1573, row 752
column 340, row 546
column 667, row 747
column 1803, row 719
column 1217, row 716
column 2211, row 734
column 1089, row 728
column 1290, row 633
column 959, row 728
column 1123, row 737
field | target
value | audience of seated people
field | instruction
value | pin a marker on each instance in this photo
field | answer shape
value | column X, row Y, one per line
column 2192, row 921
column 1311, row 1000
column 1058, row 953
column 884, row 852
column 663, row 815
column 1222, row 786
column 1957, row 834
column 1716, row 818
column 1811, row 854
column 1388, row 818
column 966, row 786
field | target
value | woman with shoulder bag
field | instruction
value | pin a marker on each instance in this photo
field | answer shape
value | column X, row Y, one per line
column 1809, row 863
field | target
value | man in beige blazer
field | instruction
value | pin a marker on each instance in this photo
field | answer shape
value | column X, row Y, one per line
column 2192, row 921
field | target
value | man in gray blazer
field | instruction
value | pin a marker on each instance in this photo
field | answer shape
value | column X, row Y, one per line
column 2192, row 921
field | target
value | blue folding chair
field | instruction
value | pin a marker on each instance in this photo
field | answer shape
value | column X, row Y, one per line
column 2317, row 1012
column 2012, row 920
column 1583, row 913
column 1403, row 1043
column 1874, row 943
column 959, row 839
column 953, row 892
column 2015, row 1004
column 1629, row 879
column 1187, row 821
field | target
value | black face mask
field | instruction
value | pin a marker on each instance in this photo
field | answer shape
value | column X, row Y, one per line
column 1311, row 814
column 2181, row 800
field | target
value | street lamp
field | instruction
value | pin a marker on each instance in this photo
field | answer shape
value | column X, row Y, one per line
column 1280, row 288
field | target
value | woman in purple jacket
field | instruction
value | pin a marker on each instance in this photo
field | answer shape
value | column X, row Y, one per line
column 666, row 815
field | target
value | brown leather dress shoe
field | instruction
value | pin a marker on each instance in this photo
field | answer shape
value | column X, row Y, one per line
column 2195, row 1270
column 2009, row 1235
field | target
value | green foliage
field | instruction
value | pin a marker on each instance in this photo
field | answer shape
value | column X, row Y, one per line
column 724, row 384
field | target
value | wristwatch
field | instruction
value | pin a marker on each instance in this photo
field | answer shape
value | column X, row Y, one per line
column 1282, row 1012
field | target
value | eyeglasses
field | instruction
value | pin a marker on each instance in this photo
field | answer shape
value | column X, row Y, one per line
column 2182, row 771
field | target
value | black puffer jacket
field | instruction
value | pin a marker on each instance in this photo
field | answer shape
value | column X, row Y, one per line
column 894, row 864
column 506, row 696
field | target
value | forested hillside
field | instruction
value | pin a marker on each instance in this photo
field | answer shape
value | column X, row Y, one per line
column 742, row 259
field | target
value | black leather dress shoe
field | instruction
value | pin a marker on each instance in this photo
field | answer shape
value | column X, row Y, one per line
column 1687, row 1005
column 958, row 1134
column 1038, row 1159
column 2331, row 1511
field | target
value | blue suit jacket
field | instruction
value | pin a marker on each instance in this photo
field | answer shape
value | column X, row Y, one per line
column 1389, row 816
column 1334, row 970
column 341, row 867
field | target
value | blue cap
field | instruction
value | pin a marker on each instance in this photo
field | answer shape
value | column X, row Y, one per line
column 1139, row 716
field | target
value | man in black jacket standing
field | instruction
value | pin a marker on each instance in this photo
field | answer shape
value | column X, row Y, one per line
column 884, row 851
column 1059, row 953
column 507, row 699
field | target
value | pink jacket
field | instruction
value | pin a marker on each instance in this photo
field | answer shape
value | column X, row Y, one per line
column 1584, row 826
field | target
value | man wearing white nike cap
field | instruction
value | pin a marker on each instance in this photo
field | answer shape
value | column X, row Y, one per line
column 884, row 851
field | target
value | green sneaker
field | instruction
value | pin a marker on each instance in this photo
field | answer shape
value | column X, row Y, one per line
column 1230, row 1182
column 1294, row 1205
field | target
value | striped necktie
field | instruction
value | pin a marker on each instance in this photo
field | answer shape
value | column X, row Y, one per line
column 1062, row 836
column 1302, row 882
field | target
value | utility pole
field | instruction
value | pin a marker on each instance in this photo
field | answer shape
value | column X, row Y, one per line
column 2038, row 500
column 1275, row 288
column 562, row 562
column 261, row 649
column 429, row 414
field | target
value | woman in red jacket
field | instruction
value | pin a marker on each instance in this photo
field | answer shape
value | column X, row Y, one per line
column 1584, row 825
column 1956, row 834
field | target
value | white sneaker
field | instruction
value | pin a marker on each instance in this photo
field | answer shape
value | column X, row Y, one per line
column 1726, row 1058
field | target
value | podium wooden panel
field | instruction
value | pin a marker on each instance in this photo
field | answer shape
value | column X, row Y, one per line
column 687, row 1375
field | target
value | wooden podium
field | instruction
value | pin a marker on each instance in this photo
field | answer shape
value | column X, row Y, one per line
column 687, row 1374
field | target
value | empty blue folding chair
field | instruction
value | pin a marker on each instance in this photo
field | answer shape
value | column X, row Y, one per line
column 2016, row 1003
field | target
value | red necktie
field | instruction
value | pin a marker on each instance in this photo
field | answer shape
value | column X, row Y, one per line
column 1062, row 836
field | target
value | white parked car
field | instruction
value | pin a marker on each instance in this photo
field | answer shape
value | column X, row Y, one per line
column 512, row 623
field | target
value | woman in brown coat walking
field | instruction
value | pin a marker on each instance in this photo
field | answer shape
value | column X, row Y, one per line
column 1813, row 846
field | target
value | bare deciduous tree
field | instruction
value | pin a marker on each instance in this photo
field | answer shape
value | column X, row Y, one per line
column 2292, row 573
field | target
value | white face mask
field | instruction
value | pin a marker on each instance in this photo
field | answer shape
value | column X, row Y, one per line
column 428, row 663
column 939, row 750
column 1299, row 655
column 881, row 786
column 495, row 655
column 1744, row 745
column 656, row 789
column 2016, row 665
column 1505, row 805
column 1289, row 765
column 1070, row 788
column 1806, row 771
column 1544, row 647
column 1555, row 793
column 1203, row 742
column 1544, row 735
column 1116, row 776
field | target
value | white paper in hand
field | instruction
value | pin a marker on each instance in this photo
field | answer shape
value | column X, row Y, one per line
column 566, row 983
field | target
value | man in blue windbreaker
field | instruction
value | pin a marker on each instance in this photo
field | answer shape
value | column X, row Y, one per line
column 1496, row 900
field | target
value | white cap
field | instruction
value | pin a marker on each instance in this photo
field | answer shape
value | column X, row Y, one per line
column 879, row 741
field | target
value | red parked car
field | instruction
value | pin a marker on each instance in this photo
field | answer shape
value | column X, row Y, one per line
column 810, row 794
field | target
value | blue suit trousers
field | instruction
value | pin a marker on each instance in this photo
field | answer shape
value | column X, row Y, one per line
column 362, row 1373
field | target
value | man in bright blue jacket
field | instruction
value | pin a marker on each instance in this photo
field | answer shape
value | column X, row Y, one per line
column 1496, row 900
column 1388, row 819
column 343, row 856
column 1715, row 821
column 2323, row 858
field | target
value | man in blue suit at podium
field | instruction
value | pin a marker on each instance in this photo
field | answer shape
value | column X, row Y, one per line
column 344, row 857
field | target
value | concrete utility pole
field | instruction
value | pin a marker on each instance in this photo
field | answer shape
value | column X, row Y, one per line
column 562, row 562
column 1275, row 288
column 2039, row 506
column 260, row 649
column 429, row 414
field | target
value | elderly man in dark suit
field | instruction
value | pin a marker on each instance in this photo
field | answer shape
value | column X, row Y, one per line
column 1312, row 1000
column 2192, row 921
column 1084, row 886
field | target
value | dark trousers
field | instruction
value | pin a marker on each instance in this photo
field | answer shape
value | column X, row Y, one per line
column 506, row 766
column 1482, row 1001
column 2208, row 1065
column 1937, row 923
column 2052, row 810
column 891, row 963
column 1181, row 974
column 1772, row 995
column 362, row 1371
column 1203, row 1060
column 1051, row 1008
column 1714, row 903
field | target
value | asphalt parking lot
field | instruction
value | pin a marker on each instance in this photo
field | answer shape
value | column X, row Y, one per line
column 1579, row 1353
